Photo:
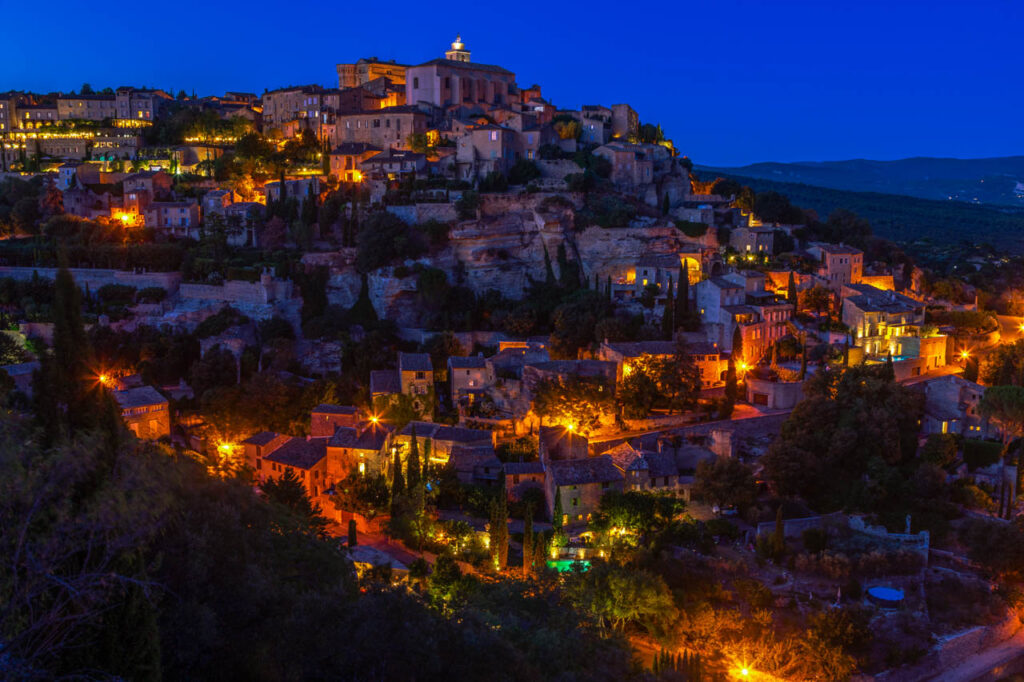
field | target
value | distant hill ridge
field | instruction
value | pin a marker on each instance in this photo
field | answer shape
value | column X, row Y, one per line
column 903, row 218
column 996, row 181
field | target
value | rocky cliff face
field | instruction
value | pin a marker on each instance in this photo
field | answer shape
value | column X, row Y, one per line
column 501, row 250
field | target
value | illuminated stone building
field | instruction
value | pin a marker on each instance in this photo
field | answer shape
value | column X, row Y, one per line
column 456, row 81
column 366, row 70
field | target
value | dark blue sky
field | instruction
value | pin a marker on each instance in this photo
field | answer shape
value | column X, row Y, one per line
column 731, row 81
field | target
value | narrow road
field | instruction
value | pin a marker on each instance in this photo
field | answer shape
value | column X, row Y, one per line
column 989, row 664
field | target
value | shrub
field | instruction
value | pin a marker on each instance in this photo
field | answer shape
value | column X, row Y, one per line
column 691, row 229
column 152, row 295
column 116, row 293
column 495, row 181
column 981, row 453
column 467, row 205
column 723, row 528
column 815, row 540
column 523, row 172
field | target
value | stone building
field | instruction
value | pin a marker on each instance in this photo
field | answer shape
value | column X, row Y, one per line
column 456, row 81
column 368, row 69
column 839, row 265
column 144, row 411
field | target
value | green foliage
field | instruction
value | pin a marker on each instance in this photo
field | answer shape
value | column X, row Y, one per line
column 287, row 491
column 575, row 400
column 495, row 181
column 523, row 172
column 522, row 449
column 220, row 322
column 384, row 238
column 605, row 210
column 618, row 596
column 725, row 481
column 365, row 494
column 1005, row 366
column 861, row 428
column 941, row 449
column 466, row 206
column 691, row 229
column 981, row 453
column 152, row 295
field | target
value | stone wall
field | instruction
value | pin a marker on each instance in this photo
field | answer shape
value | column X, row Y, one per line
column 956, row 649
column 908, row 541
column 414, row 214
column 97, row 277
column 238, row 291
column 793, row 528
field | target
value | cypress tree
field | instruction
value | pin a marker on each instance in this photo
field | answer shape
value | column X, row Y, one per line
column 540, row 553
column 351, row 532
column 413, row 463
column 67, row 397
column 397, row 481
column 791, row 289
column 499, row 526
column 731, row 390
column 803, row 358
column 528, row 540
column 549, row 272
column 557, row 514
column 668, row 325
column 890, row 371
column 665, row 205
column 426, row 459
column 682, row 296
column 608, row 288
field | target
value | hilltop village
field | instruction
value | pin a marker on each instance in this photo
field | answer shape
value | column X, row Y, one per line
column 467, row 336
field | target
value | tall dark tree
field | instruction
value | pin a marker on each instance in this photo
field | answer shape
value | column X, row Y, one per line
column 791, row 289
column 668, row 325
column 68, row 394
column 397, row 480
column 499, row 526
column 413, row 465
column 528, row 540
column 731, row 389
column 549, row 271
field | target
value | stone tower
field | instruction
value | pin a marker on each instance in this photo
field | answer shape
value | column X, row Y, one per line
column 458, row 53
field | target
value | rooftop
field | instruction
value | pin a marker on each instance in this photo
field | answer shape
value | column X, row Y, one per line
column 471, row 362
column 441, row 61
column 324, row 408
column 261, row 438
column 137, row 397
column 581, row 471
column 385, row 381
column 415, row 362
column 302, row 453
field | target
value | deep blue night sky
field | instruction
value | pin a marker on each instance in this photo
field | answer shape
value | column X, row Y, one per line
column 732, row 81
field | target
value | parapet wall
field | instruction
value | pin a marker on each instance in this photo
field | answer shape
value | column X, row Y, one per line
column 238, row 291
column 97, row 277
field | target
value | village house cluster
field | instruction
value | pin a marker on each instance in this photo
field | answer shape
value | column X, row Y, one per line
column 388, row 124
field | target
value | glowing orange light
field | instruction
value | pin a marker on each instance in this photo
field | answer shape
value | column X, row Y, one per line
column 125, row 218
column 104, row 379
column 744, row 672
column 374, row 419
column 964, row 354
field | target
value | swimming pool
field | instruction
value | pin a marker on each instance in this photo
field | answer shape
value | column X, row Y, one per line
column 886, row 597
column 563, row 565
